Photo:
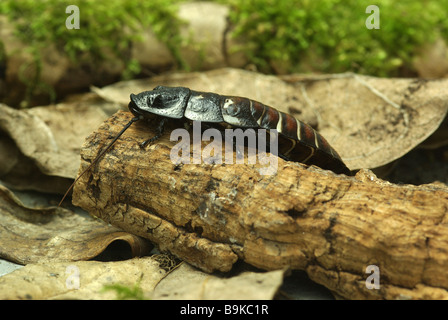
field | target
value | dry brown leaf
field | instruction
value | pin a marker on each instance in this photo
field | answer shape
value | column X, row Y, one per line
column 188, row 283
column 369, row 121
column 30, row 235
column 376, row 121
column 40, row 146
column 59, row 280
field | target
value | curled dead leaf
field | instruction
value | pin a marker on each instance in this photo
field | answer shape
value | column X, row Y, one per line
column 40, row 146
column 31, row 235
column 79, row 280
column 188, row 283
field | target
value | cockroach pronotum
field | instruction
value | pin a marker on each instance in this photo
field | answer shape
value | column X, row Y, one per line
column 298, row 141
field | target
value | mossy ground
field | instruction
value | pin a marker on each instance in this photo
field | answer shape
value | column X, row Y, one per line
column 295, row 36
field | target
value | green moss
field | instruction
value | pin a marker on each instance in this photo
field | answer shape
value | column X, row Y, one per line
column 126, row 292
column 297, row 35
column 102, row 23
column 105, row 26
column 331, row 34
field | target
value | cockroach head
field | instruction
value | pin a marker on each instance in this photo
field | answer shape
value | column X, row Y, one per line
column 163, row 101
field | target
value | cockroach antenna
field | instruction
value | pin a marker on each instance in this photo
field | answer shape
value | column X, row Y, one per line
column 99, row 156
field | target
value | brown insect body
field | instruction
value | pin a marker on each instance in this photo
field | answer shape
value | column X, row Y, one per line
column 297, row 140
column 305, row 145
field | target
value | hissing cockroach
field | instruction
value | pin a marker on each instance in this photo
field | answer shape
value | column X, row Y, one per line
column 297, row 140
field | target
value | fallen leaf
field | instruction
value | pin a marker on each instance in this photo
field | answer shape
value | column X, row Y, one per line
column 29, row 235
column 188, row 283
column 40, row 146
column 373, row 121
column 80, row 280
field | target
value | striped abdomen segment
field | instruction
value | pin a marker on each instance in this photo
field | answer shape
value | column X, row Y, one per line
column 297, row 140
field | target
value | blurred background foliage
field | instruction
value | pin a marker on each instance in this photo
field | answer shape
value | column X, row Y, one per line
column 326, row 36
column 111, row 24
column 330, row 35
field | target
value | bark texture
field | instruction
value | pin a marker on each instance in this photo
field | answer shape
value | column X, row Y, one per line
column 332, row 226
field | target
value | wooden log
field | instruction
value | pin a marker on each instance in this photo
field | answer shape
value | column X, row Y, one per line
column 210, row 215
